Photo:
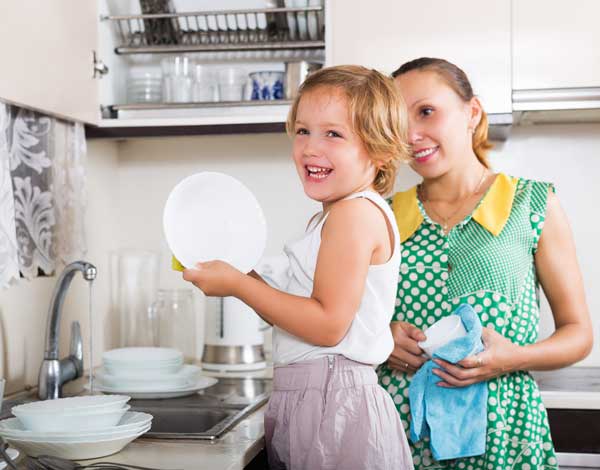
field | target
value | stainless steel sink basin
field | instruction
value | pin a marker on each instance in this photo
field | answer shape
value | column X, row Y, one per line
column 205, row 415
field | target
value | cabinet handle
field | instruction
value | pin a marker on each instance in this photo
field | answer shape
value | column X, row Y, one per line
column 100, row 68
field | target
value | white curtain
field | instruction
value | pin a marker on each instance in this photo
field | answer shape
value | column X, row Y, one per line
column 42, row 197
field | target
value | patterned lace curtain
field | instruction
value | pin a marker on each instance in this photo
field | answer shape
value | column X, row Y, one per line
column 42, row 193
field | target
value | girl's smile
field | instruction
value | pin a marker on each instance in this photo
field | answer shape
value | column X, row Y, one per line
column 317, row 173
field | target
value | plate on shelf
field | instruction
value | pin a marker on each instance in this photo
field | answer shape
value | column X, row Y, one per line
column 201, row 384
column 213, row 216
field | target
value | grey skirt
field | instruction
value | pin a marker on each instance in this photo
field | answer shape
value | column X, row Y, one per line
column 330, row 413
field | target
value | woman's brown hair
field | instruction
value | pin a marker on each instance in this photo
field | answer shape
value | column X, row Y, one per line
column 377, row 115
column 456, row 79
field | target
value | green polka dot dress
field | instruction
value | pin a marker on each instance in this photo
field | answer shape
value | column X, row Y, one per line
column 487, row 261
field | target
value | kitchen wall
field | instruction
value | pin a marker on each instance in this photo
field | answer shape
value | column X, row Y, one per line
column 129, row 181
column 24, row 307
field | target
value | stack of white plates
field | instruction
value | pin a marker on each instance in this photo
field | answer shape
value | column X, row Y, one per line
column 74, row 428
column 149, row 373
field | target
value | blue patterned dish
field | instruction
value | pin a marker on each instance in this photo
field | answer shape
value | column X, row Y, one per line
column 267, row 85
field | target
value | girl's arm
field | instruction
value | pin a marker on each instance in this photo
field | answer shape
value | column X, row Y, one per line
column 354, row 230
column 559, row 274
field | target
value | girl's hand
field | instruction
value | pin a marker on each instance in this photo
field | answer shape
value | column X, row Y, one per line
column 406, row 355
column 500, row 357
column 214, row 278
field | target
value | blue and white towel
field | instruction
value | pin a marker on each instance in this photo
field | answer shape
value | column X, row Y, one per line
column 455, row 419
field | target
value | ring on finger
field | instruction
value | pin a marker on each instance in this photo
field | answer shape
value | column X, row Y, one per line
column 479, row 361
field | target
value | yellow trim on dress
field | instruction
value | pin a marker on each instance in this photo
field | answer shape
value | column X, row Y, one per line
column 494, row 211
column 492, row 214
column 407, row 213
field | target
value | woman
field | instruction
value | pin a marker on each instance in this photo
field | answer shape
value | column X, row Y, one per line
column 472, row 236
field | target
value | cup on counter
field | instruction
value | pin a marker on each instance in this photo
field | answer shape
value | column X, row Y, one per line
column 176, row 316
column 231, row 84
column 441, row 333
column 177, row 79
column 134, row 281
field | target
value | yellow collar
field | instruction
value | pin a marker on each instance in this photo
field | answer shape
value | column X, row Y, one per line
column 492, row 213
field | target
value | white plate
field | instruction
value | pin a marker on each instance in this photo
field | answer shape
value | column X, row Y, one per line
column 202, row 383
column 212, row 216
column 76, row 450
column 184, row 377
column 131, row 423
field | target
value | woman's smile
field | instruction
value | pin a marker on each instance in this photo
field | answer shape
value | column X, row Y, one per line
column 423, row 155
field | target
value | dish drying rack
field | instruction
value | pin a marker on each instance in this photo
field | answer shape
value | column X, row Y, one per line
column 223, row 30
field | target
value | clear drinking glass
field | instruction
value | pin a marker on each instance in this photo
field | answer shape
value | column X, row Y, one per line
column 134, row 283
column 177, row 73
column 174, row 310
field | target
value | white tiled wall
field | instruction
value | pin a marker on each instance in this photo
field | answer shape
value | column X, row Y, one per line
column 129, row 182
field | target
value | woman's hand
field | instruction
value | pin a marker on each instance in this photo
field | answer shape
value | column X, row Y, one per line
column 406, row 355
column 500, row 357
column 214, row 278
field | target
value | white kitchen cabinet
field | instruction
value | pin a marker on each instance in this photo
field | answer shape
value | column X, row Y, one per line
column 48, row 51
column 556, row 44
column 469, row 33
column 43, row 67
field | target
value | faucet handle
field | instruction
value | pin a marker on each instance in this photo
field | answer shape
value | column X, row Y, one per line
column 76, row 349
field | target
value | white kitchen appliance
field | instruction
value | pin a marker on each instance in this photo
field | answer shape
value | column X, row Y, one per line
column 234, row 339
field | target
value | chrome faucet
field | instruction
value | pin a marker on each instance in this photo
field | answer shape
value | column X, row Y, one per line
column 54, row 372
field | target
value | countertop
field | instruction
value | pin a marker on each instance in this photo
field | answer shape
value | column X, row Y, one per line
column 233, row 451
column 570, row 388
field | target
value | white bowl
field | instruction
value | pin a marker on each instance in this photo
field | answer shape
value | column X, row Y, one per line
column 132, row 422
column 441, row 333
column 143, row 356
column 45, row 422
column 73, row 405
column 75, row 450
column 213, row 216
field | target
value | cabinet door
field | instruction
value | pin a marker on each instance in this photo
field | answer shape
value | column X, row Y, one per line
column 472, row 34
column 556, row 44
column 46, row 49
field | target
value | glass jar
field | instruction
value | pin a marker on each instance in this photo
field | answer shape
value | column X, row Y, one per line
column 174, row 311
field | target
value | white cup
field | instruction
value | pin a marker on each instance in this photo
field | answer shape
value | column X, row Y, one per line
column 441, row 333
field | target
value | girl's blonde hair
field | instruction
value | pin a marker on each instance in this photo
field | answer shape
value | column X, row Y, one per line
column 377, row 115
column 456, row 79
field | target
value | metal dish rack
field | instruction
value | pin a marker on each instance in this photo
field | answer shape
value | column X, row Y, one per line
column 223, row 30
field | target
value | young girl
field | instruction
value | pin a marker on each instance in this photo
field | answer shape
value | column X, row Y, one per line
column 332, row 325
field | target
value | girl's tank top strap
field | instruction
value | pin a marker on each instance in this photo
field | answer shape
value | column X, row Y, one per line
column 380, row 202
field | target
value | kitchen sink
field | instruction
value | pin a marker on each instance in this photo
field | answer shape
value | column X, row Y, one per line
column 205, row 415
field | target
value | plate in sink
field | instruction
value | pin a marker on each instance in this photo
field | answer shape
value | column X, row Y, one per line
column 201, row 383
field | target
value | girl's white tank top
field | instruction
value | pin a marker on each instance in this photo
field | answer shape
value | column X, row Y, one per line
column 369, row 338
